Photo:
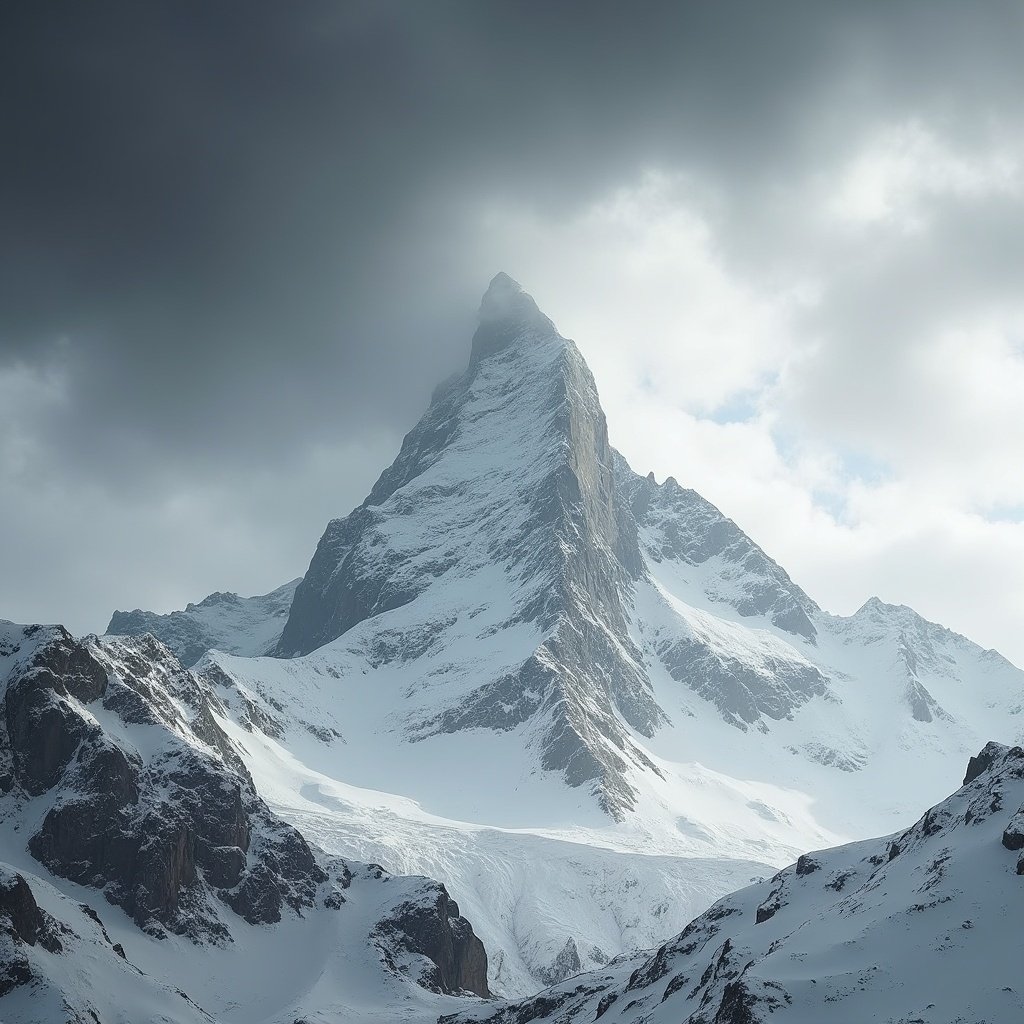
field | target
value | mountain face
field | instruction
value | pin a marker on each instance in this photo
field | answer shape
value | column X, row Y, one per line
column 119, row 788
column 923, row 925
column 248, row 626
column 508, row 475
column 677, row 525
column 169, row 829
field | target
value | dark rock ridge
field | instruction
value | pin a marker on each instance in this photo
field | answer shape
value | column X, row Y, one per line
column 247, row 626
column 170, row 829
column 566, row 965
column 21, row 917
column 853, row 933
column 429, row 925
column 22, row 924
column 59, row 964
column 983, row 761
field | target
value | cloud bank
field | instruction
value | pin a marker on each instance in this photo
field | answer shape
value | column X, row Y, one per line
column 242, row 243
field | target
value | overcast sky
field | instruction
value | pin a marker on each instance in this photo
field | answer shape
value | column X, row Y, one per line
column 241, row 242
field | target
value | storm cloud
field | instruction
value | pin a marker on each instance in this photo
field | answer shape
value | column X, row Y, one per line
column 242, row 242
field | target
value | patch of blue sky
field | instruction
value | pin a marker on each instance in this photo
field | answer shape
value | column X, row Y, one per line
column 833, row 502
column 851, row 467
column 868, row 469
column 738, row 408
column 1005, row 512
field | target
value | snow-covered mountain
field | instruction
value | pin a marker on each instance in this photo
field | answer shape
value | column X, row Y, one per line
column 143, row 878
column 533, row 584
column 517, row 653
column 587, row 703
column 239, row 625
column 922, row 926
column 500, row 507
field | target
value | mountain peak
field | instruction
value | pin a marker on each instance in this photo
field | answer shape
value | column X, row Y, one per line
column 503, row 294
column 507, row 313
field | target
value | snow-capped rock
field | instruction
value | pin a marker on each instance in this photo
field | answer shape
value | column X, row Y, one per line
column 677, row 525
column 146, row 796
column 239, row 625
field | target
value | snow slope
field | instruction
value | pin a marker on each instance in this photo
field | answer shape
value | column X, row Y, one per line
column 330, row 964
column 922, row 926
column 531, row 893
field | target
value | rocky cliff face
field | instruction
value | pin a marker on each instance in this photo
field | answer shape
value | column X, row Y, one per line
column 428, row 925
column 22, row 924
column 860, row 932
column 60, row 964
column 171, row 829
column 239, row 625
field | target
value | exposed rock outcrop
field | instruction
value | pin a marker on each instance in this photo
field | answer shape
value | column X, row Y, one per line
column 22, row 923
column 168, row 831
column 677, row 524
column 430, row 926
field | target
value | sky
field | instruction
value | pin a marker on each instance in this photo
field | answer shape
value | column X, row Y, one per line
column 241, row 242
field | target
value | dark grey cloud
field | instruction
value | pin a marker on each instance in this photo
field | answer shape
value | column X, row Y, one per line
column 240, row 234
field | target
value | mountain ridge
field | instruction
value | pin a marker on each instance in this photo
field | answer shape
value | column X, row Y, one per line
column 126, row 811
column 223, row 620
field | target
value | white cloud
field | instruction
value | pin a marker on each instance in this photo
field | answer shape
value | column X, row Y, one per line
column 904, row 165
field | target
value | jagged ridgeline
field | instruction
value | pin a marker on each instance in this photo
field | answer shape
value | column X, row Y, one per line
column 509, row 470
